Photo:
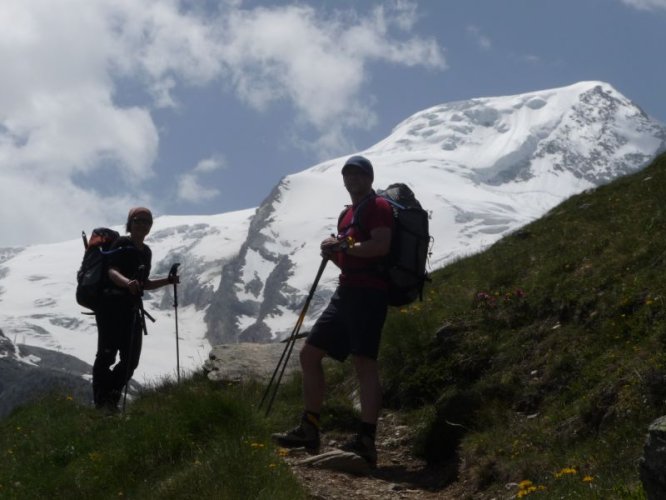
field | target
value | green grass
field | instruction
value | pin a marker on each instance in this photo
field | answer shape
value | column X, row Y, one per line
column 196, row 440
column 539, row 362
column 548, row 348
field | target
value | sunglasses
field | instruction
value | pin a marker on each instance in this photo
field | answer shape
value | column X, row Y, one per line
column 146, row 222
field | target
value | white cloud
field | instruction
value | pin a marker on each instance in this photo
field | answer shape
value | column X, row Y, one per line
column 531, row 58
column 318, row 63
column 190, row 187
column 62, row 112
column 481, row 40
column 215, row 162
column 58, row 120
column 646, row 4
column 191, row 190
column 43, row 210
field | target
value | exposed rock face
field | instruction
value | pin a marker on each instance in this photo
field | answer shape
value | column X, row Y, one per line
column 483, row 167
column 653, row 463
column 248, row 361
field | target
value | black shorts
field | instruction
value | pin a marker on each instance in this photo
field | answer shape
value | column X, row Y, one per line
column 351, row 323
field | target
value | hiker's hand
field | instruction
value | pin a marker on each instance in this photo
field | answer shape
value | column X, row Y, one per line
column 329, row 246
column 134, row 287
column 173, row 279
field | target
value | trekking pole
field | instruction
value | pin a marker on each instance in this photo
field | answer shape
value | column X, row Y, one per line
column 289, row 346
column 143, row 313
column 172, row 274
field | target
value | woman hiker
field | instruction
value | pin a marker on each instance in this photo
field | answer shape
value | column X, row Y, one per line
column 119, row 320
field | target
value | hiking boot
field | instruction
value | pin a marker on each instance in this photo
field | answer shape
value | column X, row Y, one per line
column 114, row 398
column 107, row 401
column 306, row 435
column 107, row 407
column 364, row 447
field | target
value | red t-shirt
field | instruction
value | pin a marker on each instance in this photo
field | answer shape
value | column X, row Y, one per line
column 376, row 212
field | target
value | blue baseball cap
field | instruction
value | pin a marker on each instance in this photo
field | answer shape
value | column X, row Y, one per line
column 360, row 162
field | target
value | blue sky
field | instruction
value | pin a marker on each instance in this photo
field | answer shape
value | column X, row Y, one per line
column 195, row 107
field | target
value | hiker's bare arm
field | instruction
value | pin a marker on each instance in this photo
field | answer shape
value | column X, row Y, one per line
column 378, row 245
column 152, row 284
column 120, row 280
column 134, row 286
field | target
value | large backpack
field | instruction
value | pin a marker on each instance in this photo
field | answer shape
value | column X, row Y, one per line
column 92, row 277
column 405, row 265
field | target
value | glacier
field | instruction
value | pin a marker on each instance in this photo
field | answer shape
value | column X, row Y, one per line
column 482, row 168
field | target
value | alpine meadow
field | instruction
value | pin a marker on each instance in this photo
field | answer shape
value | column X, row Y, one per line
column 536, row 365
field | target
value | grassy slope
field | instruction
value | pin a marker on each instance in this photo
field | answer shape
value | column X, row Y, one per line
column 557, row 365
column 197, row 440
column 559, row 362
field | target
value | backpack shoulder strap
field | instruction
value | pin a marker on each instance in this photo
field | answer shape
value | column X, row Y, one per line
column 342, row 215
column 356, row 219
column 122, row 244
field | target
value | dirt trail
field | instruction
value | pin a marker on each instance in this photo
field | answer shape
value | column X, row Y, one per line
column 399, row 475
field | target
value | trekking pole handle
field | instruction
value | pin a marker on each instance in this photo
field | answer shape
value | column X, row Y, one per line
column 173, row 272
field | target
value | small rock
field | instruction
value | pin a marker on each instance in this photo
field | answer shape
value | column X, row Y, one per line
column 338, row 460
column 653, row 463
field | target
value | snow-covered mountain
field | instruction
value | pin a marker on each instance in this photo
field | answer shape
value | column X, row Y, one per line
column 38, row 283
column 482, row 167
column 27, row 372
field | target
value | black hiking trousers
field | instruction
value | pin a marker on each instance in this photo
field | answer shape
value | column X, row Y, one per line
column 118, row 332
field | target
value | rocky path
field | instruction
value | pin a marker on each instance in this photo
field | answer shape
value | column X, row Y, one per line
column 399, row 475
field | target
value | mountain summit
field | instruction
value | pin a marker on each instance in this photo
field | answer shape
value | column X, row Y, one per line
column 482, row 167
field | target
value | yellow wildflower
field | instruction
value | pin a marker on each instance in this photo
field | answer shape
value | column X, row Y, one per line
column 566, row 471
column 524, row 492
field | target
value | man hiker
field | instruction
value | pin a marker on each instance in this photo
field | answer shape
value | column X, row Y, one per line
column 118, row 317
column 353, row 320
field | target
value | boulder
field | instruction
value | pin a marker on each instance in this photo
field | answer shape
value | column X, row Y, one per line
column 234, row 363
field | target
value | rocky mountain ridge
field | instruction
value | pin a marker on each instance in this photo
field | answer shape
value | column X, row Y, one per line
column 482, row 167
